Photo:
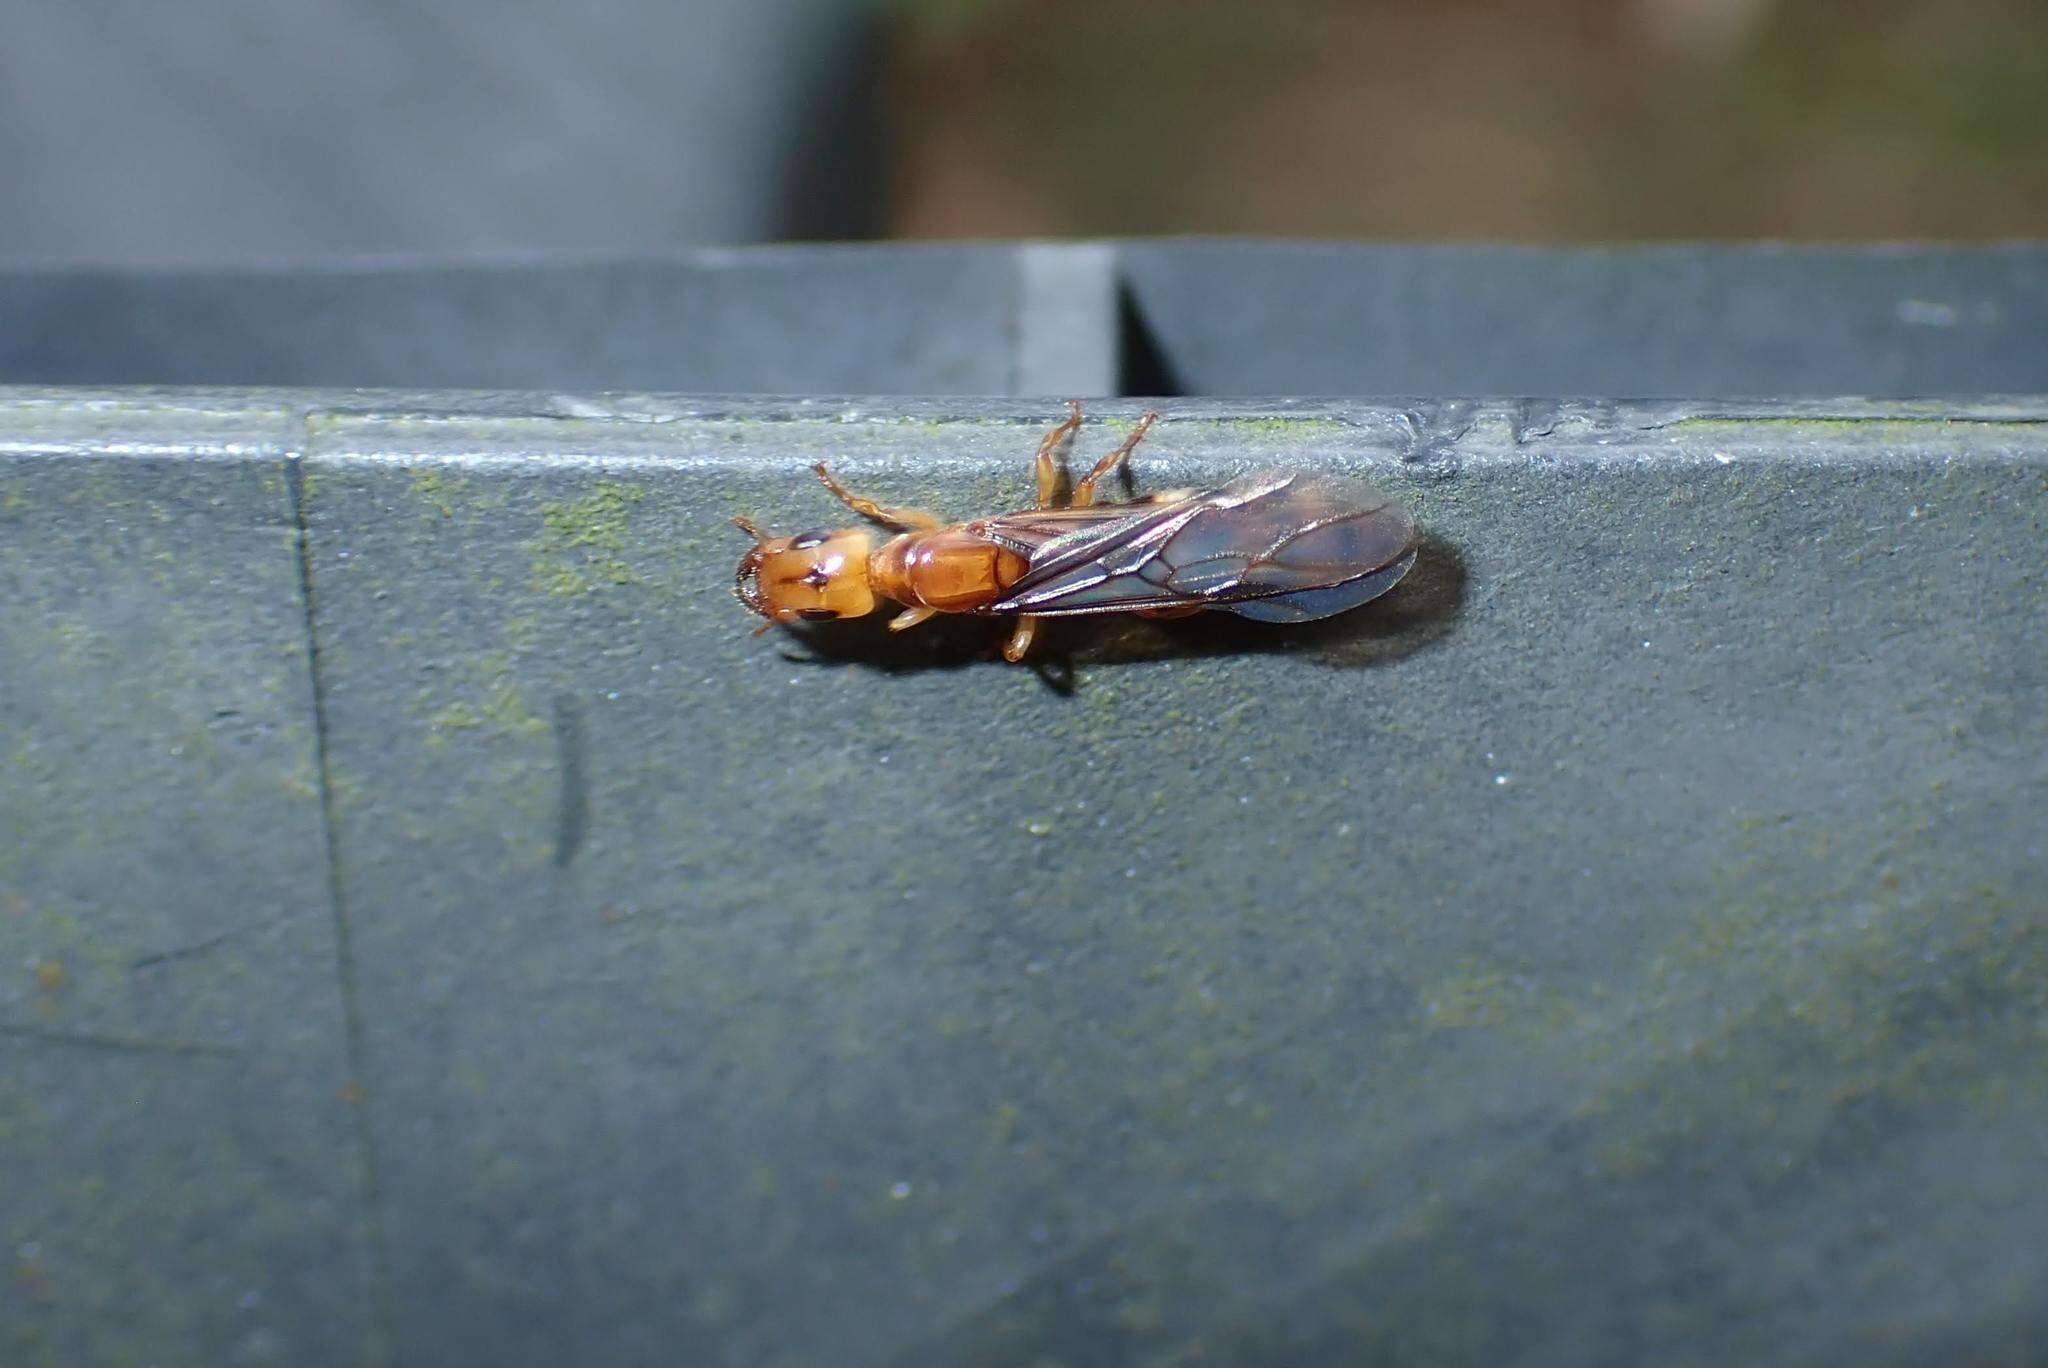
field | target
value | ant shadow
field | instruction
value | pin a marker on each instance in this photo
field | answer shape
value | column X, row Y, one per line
column 1414, row 615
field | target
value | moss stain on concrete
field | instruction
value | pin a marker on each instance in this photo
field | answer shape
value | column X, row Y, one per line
column 583, row 542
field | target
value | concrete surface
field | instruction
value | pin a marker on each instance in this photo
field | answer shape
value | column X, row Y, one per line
column 805, row 319
column 181, row 1177
column 1624, row 942
column 1643, row 320
column 1052, row 319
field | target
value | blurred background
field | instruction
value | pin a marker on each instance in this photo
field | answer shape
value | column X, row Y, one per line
column 250, row 129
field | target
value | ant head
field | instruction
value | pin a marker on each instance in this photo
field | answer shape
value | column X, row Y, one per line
column 815, row 577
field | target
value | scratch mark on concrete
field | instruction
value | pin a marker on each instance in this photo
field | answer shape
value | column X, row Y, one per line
column 572, row 811
column 107, row 1040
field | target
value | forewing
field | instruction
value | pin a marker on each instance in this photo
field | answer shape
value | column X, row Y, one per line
column 1304, row 546
column 1030, row 532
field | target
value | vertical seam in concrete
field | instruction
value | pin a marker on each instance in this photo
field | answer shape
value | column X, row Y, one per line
column 380, row 1330
column 1014, row 325
column 1066, row 342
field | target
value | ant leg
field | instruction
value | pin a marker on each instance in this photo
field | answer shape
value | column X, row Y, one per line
column 910, row 617
column 1026, row 630
column 1048, row 469
column 902, row 519
column 1084, row 492
column 1021, row 637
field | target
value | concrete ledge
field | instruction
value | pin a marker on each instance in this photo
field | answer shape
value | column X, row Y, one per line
column 1051, row 319
column 1624, row 940
column 1668, row 319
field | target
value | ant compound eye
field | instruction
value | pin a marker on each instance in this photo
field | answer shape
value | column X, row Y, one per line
column 817, row 614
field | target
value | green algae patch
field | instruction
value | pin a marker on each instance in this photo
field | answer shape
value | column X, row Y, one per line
column 460, row 715
column 431, row 486
column 1891, row 427
column 497, row 710
column 1470, row 998
column 582, row 543
column 506, row 710
column 1286, row 426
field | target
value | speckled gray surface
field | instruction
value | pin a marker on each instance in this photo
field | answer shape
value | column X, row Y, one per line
column 180, row 1175
column 1625, row 941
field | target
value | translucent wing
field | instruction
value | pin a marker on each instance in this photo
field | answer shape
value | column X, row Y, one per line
column 1028, row 533
column 1279, row 547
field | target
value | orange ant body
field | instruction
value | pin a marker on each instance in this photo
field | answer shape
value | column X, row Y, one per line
column 1274, row 546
